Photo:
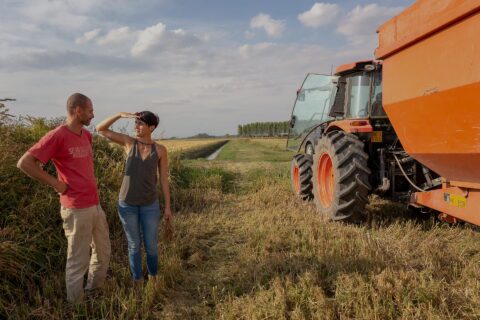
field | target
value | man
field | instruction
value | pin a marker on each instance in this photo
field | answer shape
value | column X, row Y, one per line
column 69, row 146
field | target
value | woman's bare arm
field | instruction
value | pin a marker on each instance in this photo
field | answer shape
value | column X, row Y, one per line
column 119, row 138
column 163, row 169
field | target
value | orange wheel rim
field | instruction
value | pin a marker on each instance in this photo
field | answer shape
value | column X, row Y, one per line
column 296, row 179
column 325, row 180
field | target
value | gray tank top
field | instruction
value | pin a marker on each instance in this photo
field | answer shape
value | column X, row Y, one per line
column 139, row 185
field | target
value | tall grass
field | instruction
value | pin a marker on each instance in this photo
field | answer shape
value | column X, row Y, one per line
column 32, row 244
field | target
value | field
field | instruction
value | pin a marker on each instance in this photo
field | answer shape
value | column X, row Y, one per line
column 179, row 145
column 244, row 248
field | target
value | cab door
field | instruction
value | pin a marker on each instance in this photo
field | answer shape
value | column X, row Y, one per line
column 312, row 107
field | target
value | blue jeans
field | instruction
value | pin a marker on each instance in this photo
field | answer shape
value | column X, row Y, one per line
column 138, row 221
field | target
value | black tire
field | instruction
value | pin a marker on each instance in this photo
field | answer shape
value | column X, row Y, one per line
column 346, row 192
column 301, row 176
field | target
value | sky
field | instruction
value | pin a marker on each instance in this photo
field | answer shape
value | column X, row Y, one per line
column 202, row 66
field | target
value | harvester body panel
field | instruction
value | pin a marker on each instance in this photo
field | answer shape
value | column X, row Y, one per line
column 431, row 84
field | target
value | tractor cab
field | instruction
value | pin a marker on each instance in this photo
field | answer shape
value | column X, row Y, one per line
column 331, row 102
column 359, row 91
column 358, row 107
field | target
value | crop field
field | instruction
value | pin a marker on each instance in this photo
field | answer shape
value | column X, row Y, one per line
column 278, row 143
column 179, row 145
column 244, row 248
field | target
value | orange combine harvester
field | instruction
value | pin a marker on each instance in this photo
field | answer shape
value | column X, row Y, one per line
column 431, row 94
column 404, row 126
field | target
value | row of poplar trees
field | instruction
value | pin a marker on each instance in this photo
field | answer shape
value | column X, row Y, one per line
column 263, row 129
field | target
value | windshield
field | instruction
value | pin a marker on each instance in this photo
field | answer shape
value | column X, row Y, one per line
column 358, row 95
column 311, row 107
column 377, row 105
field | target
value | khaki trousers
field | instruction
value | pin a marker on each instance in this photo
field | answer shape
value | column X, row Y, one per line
column 84, row 229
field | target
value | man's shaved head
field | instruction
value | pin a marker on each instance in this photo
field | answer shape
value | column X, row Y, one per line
column 76, row 100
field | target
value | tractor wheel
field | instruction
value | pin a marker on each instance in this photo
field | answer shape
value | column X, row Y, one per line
column 301, row 176
column 309, row 149
column 340, row 176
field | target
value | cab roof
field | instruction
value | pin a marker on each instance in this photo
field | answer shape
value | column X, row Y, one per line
column 354, row 66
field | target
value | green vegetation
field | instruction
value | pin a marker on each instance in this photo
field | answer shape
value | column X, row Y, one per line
column 253, row 150
column 263, row 129
column 244, row 248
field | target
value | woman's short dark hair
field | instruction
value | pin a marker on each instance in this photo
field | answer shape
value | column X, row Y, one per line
column 150, row 118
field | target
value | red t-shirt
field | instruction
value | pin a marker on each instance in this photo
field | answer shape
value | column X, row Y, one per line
column 73, row 157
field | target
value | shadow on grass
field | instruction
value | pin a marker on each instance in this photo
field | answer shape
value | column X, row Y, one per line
column 382, row 213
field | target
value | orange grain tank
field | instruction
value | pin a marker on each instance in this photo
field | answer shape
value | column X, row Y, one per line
column 431, row 94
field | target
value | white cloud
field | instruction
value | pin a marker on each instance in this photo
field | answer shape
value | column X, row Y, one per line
column 171, row 102
column 321, row 14
column 274, row 28
column 61, row 14
column 87, row 36
column 114, row 36
column 148, row 39
column 157, row 39
column 361, row 23
column 249, row 34
column 68, row 15
column 247, row 51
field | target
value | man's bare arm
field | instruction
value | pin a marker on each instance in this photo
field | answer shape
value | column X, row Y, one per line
column 31, row 166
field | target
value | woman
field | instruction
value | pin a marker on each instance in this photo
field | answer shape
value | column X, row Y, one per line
column 138, row 205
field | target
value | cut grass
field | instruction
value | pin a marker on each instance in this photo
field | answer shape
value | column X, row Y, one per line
column 263, row 254
column 260, row 254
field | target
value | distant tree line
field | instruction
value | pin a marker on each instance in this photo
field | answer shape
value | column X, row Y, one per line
column 263, row 129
